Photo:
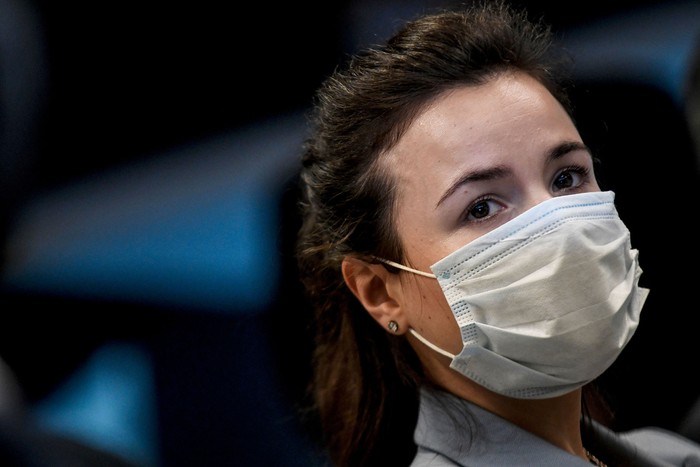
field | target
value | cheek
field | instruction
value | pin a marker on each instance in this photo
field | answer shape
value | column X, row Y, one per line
column 430, row 315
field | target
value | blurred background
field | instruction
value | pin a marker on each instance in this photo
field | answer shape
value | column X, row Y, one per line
column 150, row 308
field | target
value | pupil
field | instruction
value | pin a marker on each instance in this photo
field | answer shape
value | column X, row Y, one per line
column 480, row 210
column 564, row 180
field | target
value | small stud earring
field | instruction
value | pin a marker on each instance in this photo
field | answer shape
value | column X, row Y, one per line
column 393, row 326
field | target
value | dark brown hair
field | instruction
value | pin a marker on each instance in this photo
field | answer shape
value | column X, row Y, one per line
column 365, row 383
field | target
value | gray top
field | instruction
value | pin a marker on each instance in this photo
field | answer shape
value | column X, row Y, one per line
column 454, row 432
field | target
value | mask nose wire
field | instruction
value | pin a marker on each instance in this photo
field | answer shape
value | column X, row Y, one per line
column 406, row 268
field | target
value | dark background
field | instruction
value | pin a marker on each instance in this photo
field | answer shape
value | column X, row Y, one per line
column 115, row 85
column 126, row 80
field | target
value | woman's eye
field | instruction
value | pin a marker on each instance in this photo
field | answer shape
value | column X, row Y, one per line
column 572, row 177
column 482, row 209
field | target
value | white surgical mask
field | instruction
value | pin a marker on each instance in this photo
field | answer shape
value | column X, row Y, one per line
column 545, row 302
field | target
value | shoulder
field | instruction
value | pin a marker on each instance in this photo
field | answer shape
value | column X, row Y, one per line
column 664, row 445
column 425, row 458
column 644, row 446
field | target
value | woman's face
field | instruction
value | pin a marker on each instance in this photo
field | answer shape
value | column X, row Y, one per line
column 472, row 160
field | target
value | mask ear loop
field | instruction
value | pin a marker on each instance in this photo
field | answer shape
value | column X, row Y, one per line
column 413, row 331
column 430, row 344
column 406, row 268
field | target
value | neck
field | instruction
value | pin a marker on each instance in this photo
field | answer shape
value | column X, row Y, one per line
column 556, row 420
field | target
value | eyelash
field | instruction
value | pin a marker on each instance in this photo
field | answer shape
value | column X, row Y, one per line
column 579, row 170
column 582, row 171
column 475, row 203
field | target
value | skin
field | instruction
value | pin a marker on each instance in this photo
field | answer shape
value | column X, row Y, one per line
column 475, row 158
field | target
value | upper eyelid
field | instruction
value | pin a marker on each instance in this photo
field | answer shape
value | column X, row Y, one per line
column 585, row 170
column 480, row 199
column 581, row 169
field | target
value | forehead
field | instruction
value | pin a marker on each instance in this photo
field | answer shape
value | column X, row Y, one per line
column 472, row 126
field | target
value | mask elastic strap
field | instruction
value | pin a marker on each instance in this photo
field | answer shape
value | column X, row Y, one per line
column 406, row 268
column 430, row 344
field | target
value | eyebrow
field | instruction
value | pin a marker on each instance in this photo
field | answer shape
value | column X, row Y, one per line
column 500, row 171
column 565, row 148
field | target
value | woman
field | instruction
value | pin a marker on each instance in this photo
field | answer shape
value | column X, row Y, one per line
column 469, row 276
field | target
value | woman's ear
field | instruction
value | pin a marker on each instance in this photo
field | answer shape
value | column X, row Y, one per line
column 376, row 288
